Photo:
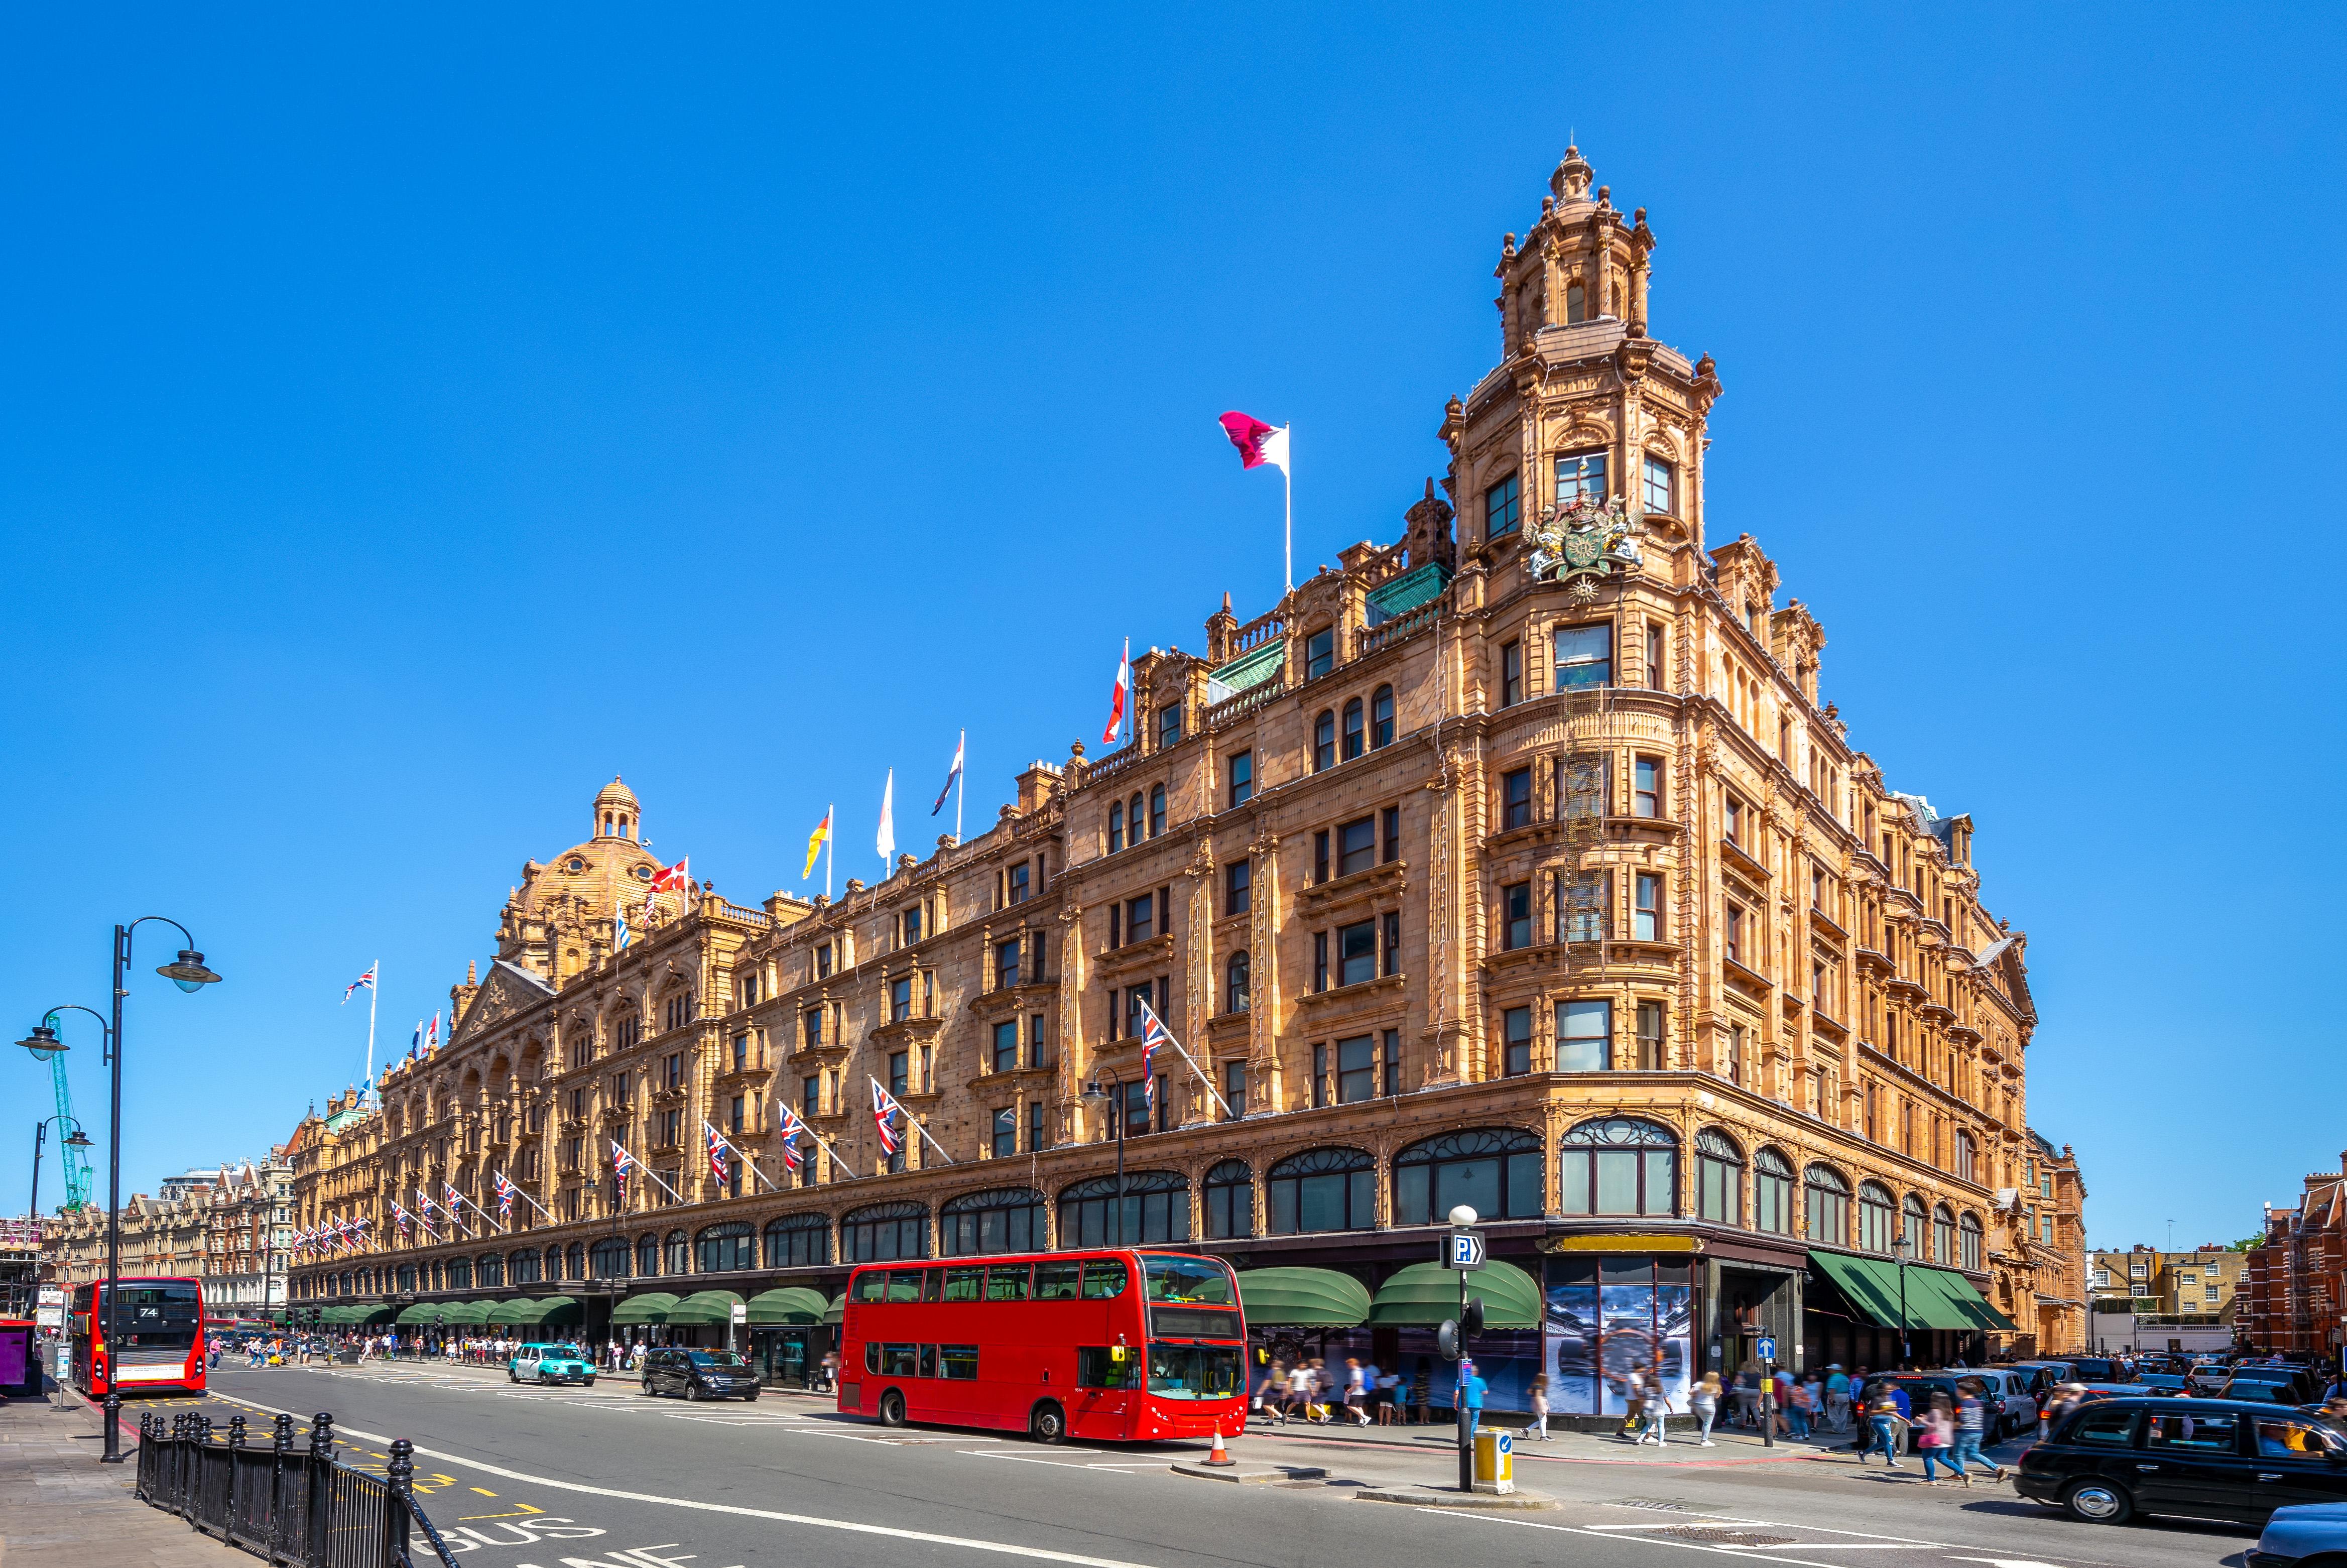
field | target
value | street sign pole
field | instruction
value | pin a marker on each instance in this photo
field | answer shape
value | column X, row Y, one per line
column 1766, row 1350
column 1462, row 1252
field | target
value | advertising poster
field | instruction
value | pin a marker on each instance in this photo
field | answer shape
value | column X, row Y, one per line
column 1607, row 1316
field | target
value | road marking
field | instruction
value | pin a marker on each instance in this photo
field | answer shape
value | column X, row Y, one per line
column 524, row 1511
column 1742, row 1553
column 852, row 1527
column 485, row 1492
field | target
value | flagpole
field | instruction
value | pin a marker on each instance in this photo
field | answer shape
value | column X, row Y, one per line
column 1288, row 484
column 374, row 991
column 961, row 775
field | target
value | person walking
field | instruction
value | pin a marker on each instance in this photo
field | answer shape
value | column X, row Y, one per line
column 1538, row 1399
column 1931, row 1436
column 1972, row 1425
column 1633, row 1403
column 1658, row 1411
column 1748, row 1394
column 1802, row 1402
column 1299, row 1388
column 1357, row 1391
column 1837, row 1397
column 1389, row 1392
column 1271, row 1394
column 1471, row 1391
column 1422, row 1393
column 1882, row 1426
column 1704, row 1401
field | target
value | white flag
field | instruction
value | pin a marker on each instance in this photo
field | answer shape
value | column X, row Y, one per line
column 888, row 821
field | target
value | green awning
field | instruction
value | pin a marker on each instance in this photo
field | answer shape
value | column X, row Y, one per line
column 1428, row 1293
column 792, row 1305
column 329, row 1315
column 704, row 1309
column 548, row 1312
column 367, row 1313
column 1936, row 1297
column 1303, row 1298
column 419, row 1312
column 461, row 1314
column 507, row 1313
column 837, row 1312
column 643, row 1307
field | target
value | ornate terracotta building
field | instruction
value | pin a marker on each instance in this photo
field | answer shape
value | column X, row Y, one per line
column 1519, row 862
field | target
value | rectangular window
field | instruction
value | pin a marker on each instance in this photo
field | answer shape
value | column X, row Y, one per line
column 1584, row 656
column 1511, row 674
column 1390, row 830
column 1734, row 934
column 1356, row 846
column 1516, row 916
column 1393, row 1061
column 1005, row 1045
column 1516, row 1041
column 1661, row 494
column 1237, row 884
column 1655, row 674
column 1357, row 1069
column 1516, row 799
column 1389, row 926
column 823, row 962
column 1580, row 475
column 1357, row 946
column 1581, row 906
column 1005, row 964
column 1319, row 960
column 1319, row 1075
column 1035, row 1137
column 1036, row 1056
column 1235, row 1089
column 900, row 999
column 740, row 1053
column 1585, row 1031
column 1320, row 855
column 1504, row 505
column 1140, row 918
column 1646, row 918
column 912, row 926
column 1650, row 1037
column 1242, row 777
column 1006, row 1132
column 897, row 1082
column 1169, row 725
column 1732, row 810
column 1018, row 883
column 1646, row 787
column 1319, row 654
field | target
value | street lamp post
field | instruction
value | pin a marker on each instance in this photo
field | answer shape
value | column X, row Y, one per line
column 189, row 973
column 1115, row 1095
column 1905, row 1248
column 72, row 1140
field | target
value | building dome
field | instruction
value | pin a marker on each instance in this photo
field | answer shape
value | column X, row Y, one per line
column 615, row 810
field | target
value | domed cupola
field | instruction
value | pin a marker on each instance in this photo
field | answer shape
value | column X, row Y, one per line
column 615, row 812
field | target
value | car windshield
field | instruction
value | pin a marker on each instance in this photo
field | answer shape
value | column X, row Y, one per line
column 1189, row 1281
column 716, row 1358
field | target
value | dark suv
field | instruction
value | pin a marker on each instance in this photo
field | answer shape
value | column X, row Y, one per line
column 2112, row 1457
column 700, row 1375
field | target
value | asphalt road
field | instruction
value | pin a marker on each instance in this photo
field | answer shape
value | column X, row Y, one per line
column 574, row 1477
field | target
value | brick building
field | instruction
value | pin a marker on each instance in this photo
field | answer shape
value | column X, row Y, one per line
column 2294, row 1282
column 228, row 1226
column 1519, row 861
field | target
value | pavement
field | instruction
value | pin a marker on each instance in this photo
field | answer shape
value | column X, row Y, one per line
column 605, row 1478
column 60, row 1508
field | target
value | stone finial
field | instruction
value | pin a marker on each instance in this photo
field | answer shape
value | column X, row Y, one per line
column 1077, row 750
column 1571, row 180
column 946, row 841
column 1507, row 247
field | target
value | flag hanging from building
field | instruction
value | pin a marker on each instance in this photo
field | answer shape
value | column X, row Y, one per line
column 1119, row 696
column 1258, row 442
column 401, row 1215
column 415, row 1042
column 365, row 982
column 816, row 841
column 432, row 1033
column 887, row 841
column 505, row 1197
column 424, row 1215
column 952, row 774
column 620, row 932
column 718, row 1149
column 454, row 1202
column 885, row 1112
column 791, row 1129
column 676, row 879
column 622, row 1162
column 1152, row 1035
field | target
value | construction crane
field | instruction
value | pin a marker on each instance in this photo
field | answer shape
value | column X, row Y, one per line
column 76, row 1161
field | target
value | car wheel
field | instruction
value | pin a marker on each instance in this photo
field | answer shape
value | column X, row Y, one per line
column 752, row 1395
column 691, row 1391
column 649, row 1392
column 1047, row 1423
column 512, row 1376
column 587, row 1382
column 2098, row 1503
column 892, row 1408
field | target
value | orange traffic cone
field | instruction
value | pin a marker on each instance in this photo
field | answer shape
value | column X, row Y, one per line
column 1220, row 1455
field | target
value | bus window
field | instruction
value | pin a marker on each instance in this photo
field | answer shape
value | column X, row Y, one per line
column 1095, row 1369
column 1006, row 1282
column 929, row 1358
column 904, row 1284
column 1188, row 1281
column 1104, row 1278
column 1056, row 1281
column 872, row 1285
column 900, row 1361
column 872, row 1356
column 962, row 1283
column 959, row 1362
column 1194, row 1371
column 930, row 1278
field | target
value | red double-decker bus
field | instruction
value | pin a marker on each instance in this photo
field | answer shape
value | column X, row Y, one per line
column 1122, row 1346
column 157, row 1340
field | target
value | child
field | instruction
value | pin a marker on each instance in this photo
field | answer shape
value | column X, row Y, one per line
column 1539, row 1427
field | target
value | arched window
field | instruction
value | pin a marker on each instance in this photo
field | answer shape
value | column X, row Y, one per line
column 1133, row 819
column 648, row 1259
column 1772, row 1193
column 1234, row 983
column 1968, row 1231
column 1967, row 1152
column 1576, row 304
column 1157, row 810
column 1875, row 1205
column 1943, row 1236
column 723, row 1247
column 524, row 1266
column 1356, row 740
column 553, row 1264
column 1619, row 1165
column 460, row 1273
column 1914, row 1227
column 1381, row 717
column 1002, row 1219
column 798, row 1241
column 1324, row 741
column 1323, row 1190
column 1229, row 1193
column 1718, row 1178
column 406, row 1276
column 883, row 1231
column 1156, row 1209
column 609, row 1258
column 1115, row 826
column 489, row 1269
column 1495, row 1170
column 676, row 1257
column 1827, row 1195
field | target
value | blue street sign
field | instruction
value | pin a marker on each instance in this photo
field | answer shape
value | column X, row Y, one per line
column 1766, row 1349
column 1466, row 1251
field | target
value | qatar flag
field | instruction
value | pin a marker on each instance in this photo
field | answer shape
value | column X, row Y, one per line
column 1257, row 443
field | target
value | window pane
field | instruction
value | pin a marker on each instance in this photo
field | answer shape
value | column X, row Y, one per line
column 1582, row 1030
column 1575, row 1176
column 1617, row 1180
column 1475, row 1183
column 1584, row 656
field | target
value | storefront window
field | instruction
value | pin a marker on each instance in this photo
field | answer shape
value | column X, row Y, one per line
column 1609, row 1316
column 1619, row 1166
column 1495, row 1170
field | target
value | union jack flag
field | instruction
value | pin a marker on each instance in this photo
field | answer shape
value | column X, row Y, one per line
column 423, row 1214
column 455, row 1203
column 718, row 1149
column 791, row 1129
column 1152, row 1035
column 401, row 1215
column 885, row 1112
column 622, row 1164
column 505, row 1190
column 365, row 982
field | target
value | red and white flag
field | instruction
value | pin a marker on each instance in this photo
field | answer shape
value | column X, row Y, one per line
column 885, row 1112
column 1120, row 699
column 676, row 879
column 1257, row 443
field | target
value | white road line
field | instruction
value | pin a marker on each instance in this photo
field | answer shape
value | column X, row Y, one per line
column 1742, row 1553
column 850, row 1526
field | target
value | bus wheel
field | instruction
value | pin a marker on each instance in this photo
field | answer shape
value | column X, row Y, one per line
column 1048, row 1423
column 892, row 1408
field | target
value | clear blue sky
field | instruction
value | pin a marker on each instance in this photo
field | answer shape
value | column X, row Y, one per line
column 411, row 421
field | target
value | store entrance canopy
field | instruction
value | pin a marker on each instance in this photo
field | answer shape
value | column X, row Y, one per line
column 1303, row 1298
column 1934, row 1297
column 1428, row 1293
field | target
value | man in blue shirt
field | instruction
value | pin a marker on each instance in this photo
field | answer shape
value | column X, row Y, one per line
column 1470, row 1394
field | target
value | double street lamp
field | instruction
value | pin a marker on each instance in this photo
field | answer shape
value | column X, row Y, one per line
column 65, row 1140
column 189, row 973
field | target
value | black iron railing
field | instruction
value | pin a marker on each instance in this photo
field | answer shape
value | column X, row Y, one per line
column 285, row 1503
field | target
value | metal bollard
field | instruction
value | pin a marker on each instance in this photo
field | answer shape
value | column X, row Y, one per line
column 397, row 1474
column 281, row 1450
column 322, row 1484
column 236, row 1432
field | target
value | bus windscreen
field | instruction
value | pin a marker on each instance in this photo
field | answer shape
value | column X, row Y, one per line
column 152, row 1317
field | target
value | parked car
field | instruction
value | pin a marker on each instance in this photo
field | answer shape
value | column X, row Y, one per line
column 2210, row 1376
column 2113, row 1457
column 2157, row 1383
column 2305, row 1535
column 699, row 1374
column 2097, row 1369
column 550, row 1364
column 2043, row 1375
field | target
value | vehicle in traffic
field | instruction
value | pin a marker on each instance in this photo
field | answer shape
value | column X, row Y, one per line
column 2157, row 1383
column 2009, row 1406
column 1118, row 1345
column 699, row 1374
column 2111, row 1459
column 156, row 1340
column 537, row 1363
column 2096, row 1369
column 2264, row 1391
column 2303, row 1535
column 2208, row 1376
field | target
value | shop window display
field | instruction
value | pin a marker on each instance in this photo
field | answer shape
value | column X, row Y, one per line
column 1608, row 1315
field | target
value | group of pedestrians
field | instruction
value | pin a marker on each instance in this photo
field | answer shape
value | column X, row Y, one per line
column 1948, row 1433
column 1360, row 1392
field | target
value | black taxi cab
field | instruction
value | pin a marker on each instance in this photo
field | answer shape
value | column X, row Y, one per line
column 2111, row 1459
